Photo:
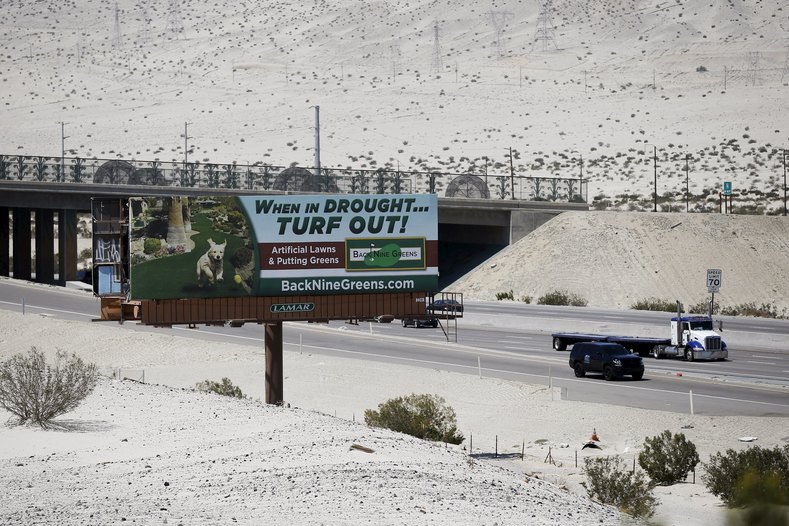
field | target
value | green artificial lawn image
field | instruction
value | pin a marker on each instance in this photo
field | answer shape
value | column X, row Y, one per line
column 176, row 276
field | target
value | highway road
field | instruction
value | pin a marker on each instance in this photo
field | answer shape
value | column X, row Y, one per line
column 507, row 341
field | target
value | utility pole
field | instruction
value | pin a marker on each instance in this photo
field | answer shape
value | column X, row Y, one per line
column 486, row 171
column 318, row 142
column 687, row 183
column 654, row 160
column 512, row 176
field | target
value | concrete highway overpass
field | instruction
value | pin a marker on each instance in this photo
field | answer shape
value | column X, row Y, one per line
column 470, row 230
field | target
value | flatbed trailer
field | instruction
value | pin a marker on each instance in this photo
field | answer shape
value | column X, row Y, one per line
column 636, row 344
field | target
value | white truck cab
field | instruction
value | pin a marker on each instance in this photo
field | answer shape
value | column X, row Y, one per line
column 696, row 339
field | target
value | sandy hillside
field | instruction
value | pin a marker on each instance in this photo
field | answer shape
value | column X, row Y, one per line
column 613, row 259
column 156, row 453
column 451, row 86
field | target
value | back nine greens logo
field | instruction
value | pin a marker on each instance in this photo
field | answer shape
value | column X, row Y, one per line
column 389, row 254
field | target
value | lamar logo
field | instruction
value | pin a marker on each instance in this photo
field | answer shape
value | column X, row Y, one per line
column 292, row 307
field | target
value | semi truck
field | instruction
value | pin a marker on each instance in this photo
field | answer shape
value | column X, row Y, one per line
column 692, row 338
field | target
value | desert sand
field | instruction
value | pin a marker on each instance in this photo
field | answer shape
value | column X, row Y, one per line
column 616, row 259
column 161, row 451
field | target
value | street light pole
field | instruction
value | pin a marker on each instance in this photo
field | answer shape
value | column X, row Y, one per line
column 63, row 151
column 784, row 159
column 654, row 160
column 512, row 176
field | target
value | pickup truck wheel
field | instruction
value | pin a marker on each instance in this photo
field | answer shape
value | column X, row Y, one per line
column 688, row 354
column 638, row 376
column 579, row 370
column 559, row 345
column 608, row 373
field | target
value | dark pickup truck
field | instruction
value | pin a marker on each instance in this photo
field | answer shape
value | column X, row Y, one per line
column 610, row 359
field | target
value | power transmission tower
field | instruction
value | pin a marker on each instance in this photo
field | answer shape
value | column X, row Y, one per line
column 117, row 35
column 545, row 27
column 752, row 59
column 437, row 65
column 499, row 20
column 175, row 23
column 145, row 35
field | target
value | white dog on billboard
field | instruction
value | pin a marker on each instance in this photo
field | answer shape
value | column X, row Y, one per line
column 209, row 266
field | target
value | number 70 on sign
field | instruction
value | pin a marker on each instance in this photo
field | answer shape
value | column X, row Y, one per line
column 714, row 279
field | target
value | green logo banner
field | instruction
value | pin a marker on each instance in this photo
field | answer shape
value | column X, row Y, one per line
column 385, row 254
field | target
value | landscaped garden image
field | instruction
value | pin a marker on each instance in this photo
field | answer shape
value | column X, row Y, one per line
column 189, row 247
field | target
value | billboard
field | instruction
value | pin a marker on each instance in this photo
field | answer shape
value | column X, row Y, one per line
column 282, row 245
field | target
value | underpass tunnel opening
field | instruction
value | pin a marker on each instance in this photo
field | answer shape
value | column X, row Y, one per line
column 462, row 247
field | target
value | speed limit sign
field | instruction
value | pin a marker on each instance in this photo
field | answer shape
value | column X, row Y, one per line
column 714, row 279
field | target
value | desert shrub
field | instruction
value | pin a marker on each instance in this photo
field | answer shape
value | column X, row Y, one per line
column 609, row 481
column 703, row 307
column 701, row 69
column 655, row 304
column 526, row 299
column 561, row 297
column 36, row 392
column 753, row 476
column 505, row 296
column 224, row 388
column 424, row 416
column 765, row 310
column 151, row 246
column 668, row 458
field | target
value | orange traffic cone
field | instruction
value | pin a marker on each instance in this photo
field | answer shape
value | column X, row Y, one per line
column 594, row 435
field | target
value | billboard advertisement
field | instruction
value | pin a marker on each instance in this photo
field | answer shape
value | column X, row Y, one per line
column 200, row 247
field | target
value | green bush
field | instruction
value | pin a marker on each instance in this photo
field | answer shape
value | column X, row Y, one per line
column 424, row 416
column 36, row 392
column 655, row 304
column 224, row 388
column 151, row 246
column 753, row 476
column 609, row 481
column 526, row 299
column 241, row 257
column 668, row 458
column 505, row 295
column 561, row 297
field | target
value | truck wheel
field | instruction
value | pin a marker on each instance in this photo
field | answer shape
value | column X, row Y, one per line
column 404, row 323
column 688, row 354
column 559, row 345
column 579, row 370
column 608, row 373
column 656, row 353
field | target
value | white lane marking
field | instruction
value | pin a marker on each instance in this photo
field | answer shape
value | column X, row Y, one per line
column 761, row 363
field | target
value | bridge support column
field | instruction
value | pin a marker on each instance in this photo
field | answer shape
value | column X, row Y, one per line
column 45, row 249
column 5, row 239
column 274, row 376
column 67, row 246
column 22, row 243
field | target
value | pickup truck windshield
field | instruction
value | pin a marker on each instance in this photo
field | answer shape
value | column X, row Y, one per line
column 705, row 325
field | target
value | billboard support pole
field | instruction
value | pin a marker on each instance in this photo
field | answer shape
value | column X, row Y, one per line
column 274, row 375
